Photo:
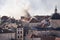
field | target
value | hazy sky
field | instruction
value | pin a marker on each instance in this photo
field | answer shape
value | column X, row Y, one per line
column 35, row 7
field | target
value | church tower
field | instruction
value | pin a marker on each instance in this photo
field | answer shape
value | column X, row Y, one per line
column 56, row 15
column 55, row 19
column 55, row 9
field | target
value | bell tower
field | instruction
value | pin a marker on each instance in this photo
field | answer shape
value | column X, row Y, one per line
column 55, row 9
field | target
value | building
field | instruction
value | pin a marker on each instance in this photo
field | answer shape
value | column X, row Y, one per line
column 40, row 18
column 19, row 33
column 39, row 35
column 55, row 15
column 55, row 19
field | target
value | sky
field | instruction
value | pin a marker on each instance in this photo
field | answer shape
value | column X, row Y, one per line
column 16, row 8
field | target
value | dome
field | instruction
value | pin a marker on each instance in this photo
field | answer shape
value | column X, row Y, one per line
column 56, row 16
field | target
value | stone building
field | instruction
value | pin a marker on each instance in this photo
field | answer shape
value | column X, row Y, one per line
column 55, row 19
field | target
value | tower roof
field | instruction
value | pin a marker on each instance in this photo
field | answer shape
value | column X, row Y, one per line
column 55, row 15
column 55, row 9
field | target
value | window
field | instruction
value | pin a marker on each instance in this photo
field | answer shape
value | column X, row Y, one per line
column 18, row 36
column 18, row 32
column 21, row 36
column 21, row 32
column 6, row 26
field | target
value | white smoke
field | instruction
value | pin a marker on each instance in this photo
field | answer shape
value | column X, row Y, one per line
column 17, row 8
column 14, row 8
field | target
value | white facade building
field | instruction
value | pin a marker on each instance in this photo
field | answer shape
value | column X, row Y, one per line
column 19, row 33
